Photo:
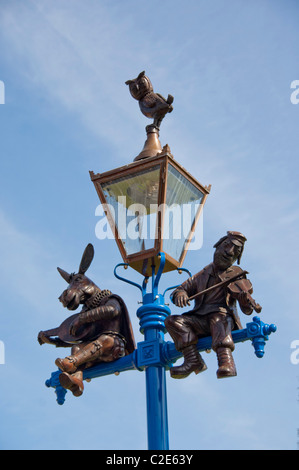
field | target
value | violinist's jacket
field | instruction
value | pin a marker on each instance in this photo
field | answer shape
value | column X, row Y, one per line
column 220, row 300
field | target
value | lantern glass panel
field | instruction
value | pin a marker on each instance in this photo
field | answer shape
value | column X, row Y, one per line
column 183, row 202
column 133, row 201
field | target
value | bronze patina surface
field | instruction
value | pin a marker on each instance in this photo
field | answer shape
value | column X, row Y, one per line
column 100, row 332
column 216, row 289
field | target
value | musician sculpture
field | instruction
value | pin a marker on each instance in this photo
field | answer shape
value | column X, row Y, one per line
column 101, row 332
column 215, row 289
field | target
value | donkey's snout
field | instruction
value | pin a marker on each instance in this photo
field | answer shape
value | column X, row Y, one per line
column 70, row 299
column 63, row 298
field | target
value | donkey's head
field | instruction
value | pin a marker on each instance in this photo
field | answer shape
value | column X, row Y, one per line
column 80, row 288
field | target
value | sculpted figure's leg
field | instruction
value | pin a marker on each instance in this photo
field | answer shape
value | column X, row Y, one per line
column 221, row 327
column 185, row 339
column 193, row 362
column 106, row 348
column 72, row 382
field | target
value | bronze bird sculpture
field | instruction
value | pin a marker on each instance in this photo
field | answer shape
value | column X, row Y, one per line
column 152, row 105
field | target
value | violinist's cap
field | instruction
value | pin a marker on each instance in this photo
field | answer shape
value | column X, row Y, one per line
column 237, row 238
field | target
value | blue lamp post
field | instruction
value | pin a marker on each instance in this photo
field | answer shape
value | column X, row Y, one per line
column 153, row 206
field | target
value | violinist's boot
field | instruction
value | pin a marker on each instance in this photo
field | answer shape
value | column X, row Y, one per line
column 193, row 362
column 226, row 363
column 72, row 382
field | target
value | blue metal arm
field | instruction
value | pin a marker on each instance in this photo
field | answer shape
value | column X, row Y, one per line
column 256, row 331
column 123, row 364
column 159, row 353
column 174, row 287
column 141, row 288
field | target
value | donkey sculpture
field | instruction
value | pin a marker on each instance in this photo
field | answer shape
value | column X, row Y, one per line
column 100, row 332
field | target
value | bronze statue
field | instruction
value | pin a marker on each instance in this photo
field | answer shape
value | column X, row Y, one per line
column 152, row 105
column 101, row 332
column 215, row 289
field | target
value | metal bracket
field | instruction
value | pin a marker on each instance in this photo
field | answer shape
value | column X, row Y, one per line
column 162, row 354
column 141, row 288
column 174, row 287
column 259, row 333
column 149, row 353
column 256, row 331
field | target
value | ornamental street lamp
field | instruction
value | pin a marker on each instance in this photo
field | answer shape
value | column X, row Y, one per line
column 153, row 206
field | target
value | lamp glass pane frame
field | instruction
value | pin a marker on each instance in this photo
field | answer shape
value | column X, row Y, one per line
column 165, row 167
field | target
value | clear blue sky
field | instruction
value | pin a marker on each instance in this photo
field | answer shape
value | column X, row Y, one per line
column 229, row 66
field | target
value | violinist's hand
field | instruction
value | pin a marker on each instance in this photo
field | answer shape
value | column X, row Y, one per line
column 245, row 303
column 181, row 299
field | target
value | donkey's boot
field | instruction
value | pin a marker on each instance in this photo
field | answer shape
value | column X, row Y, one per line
column 86, row 354
column 74, row 382
column 193, row 362
column 68, row 364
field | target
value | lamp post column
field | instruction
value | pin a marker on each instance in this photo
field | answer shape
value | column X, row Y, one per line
column 152, row 315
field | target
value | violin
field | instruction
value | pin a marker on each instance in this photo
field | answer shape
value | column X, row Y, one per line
column 243, row 285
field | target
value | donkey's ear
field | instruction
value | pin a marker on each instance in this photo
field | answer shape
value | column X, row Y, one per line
column 66, row 276
column 86, row 258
